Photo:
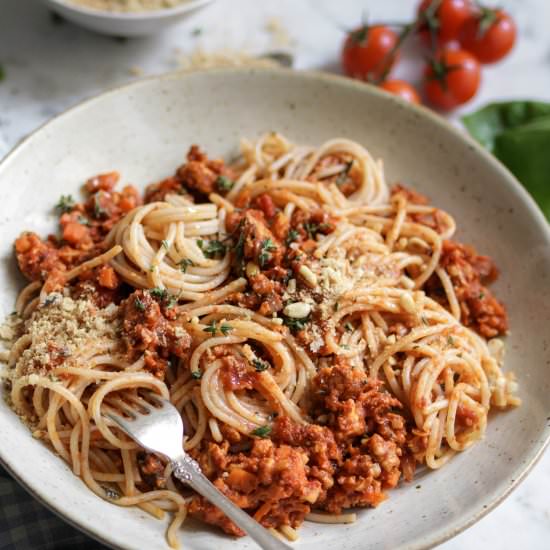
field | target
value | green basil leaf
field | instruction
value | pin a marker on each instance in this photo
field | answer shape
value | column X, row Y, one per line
column 487, row 123
column 518, row 134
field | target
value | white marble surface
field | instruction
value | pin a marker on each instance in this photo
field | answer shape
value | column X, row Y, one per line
column 50, row 67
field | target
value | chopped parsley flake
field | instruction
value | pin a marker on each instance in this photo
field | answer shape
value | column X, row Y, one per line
column 293, row 235
column 51, row 299
column 139, row 304
column 450, row 341
column 165, row 244
column 65, row 204
column 313, row 228
column 223, row 183
column 336, row 306
column 211, row 249
column 349, row 327
column 481, row 295
column 213, row 328
column 239, row 247
column 225, row 329
column 262, row 431
column 266, row 248
column 295, row 325
column 260, row 365
column 83, row 221
column 184, row 264
column 160, row 293
column 196, row 374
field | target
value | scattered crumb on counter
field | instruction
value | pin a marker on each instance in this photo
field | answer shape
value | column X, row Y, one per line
column 136, row 71
column 200, row 59
column 279, row 35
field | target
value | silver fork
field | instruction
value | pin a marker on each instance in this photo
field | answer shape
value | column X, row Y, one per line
column 160, row 430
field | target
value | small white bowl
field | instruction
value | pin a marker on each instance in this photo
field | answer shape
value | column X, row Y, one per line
column 125, row 23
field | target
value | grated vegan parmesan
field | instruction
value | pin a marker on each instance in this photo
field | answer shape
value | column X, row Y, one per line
column 128, row 5
column 63, row 329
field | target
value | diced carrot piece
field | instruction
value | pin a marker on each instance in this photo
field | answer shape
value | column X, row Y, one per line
column 241, row 480
column 107, row 277
column 74, row 233
column 103, row 182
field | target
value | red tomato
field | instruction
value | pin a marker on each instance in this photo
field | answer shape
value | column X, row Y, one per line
column 402, row 89
column 489, row 35
column 368, row 52
column 444, row 20
column 451, row 78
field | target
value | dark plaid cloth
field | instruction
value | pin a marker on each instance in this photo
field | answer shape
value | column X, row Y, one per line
column 27, row 525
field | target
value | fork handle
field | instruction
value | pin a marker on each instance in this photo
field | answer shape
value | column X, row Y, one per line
column 188, row 471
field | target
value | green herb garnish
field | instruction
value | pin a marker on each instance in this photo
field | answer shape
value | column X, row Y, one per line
column 225, row 329
column 184, row 264
column 51, row 299
column 213, row 328
column 262, row 431
column 211, row 249
column 349, row 327
column 266, row 248
column 239, row 247
column 311, row 229
column 196, row 374
column 159, row 293
column 84, row 221
column 295, row 325
column 139, row 304
column 293, row 235
column 165, row 244
column 260, row 365
column 65, row 204
column 223, row 183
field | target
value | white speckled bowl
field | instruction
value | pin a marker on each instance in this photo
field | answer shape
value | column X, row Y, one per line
column 144, row 129
column 125, row 23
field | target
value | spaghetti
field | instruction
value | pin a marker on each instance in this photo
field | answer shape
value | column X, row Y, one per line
column 320, row 334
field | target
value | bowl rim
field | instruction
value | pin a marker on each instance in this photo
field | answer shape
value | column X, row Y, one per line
column 145, row 15
column 429, row 541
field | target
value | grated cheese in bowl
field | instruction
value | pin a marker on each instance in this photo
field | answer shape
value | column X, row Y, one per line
column 128, row 5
